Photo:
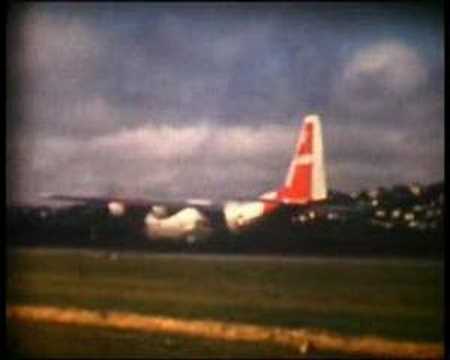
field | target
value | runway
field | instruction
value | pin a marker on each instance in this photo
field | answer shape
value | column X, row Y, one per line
column 313, row 260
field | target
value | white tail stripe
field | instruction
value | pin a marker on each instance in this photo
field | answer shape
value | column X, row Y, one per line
column 319, row 186
column 303, row 160
column 290, row 176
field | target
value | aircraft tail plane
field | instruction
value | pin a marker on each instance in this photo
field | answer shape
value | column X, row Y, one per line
column 306, row 179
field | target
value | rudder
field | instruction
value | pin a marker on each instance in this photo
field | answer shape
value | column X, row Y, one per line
column 305, row 180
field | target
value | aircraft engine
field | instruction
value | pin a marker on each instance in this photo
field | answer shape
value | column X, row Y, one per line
column 240, row 215
column 116, row 208
column 159, row 211
column 188, row 223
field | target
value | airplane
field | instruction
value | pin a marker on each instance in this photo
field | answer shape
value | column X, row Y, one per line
column 195, row 219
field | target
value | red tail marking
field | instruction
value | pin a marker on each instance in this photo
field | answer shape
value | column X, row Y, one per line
column 301, row 185
column 270, row 207
column 300, row 189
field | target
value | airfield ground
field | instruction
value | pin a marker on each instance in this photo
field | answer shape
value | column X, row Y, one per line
column 397, row 300
column 55, row 340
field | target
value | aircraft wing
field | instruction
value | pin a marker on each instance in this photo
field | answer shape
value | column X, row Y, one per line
column 148, row 202
column 133, row 201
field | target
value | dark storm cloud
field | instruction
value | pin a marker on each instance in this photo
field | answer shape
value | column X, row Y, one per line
column 391, row 107
column 139, row 95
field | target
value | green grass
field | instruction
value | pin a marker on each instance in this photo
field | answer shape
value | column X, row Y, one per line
column 397, row 301
column 28, row 339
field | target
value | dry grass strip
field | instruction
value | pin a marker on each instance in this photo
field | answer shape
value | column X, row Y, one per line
column 301, row 339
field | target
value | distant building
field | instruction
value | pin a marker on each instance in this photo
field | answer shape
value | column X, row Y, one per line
column 409, row 216
column 395, row 214
column 385, row 224
column 332, row 216
column 415, row 189
column 412, row 224
column 422, row 226
column 301, row 218
column 373, row 194
column 429, row 214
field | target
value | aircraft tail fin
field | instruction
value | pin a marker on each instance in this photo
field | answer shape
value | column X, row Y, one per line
column 306, row 179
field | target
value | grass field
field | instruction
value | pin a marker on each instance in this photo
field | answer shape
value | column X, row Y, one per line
column 391, row 299
column 55, row 340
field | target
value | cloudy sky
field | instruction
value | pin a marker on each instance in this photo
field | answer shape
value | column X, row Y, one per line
column 205, row 100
